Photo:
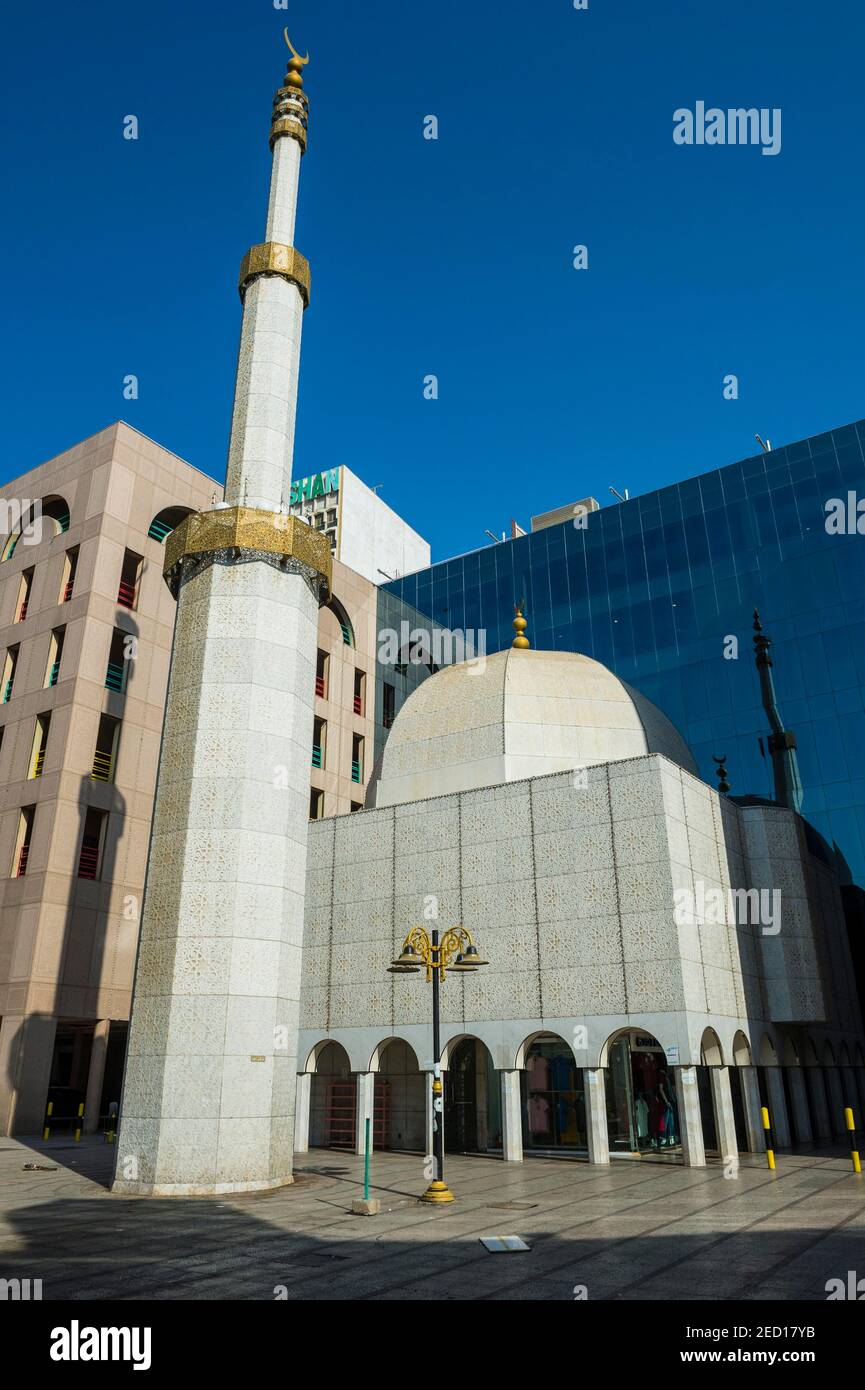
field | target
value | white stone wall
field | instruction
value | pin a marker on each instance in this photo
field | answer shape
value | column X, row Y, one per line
column 209, row 1090
column 372, row 537
column 569, row 892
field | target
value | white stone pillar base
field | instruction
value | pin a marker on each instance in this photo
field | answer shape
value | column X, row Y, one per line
column 96, row 1075
column 302, row 1099
column 753, row 1110
column 778, row 1117
column 595, row 1094
column 801, row 1113
column 690, row 1122
column 512, row 1118
column 725, row 1119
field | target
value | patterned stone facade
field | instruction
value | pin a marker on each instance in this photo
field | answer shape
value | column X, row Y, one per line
column 570, row 891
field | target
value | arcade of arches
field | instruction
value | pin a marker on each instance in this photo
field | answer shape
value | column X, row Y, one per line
column 639, row 1103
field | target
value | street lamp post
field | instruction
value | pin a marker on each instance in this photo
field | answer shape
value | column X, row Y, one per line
column 422, row 950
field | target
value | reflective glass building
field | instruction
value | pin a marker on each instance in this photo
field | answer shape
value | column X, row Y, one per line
column 655, row 587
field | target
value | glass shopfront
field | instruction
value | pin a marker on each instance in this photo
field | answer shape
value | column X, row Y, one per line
column 554, row 1110
column 642, row 1105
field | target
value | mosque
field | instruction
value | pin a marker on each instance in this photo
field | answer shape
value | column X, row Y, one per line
column 551, row 810
column 530, row 799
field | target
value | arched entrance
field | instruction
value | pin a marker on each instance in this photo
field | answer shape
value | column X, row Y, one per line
column 642, row 1103
column 332, row 1100
column 400, row 1096
column 472, row 1099
column 553, row 1098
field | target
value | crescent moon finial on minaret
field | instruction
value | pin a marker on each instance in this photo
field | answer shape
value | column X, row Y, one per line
column 302, row 61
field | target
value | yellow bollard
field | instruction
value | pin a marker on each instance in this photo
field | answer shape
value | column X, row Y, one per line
column 80, row 1122
column 46, row 1133
column 854, row 1146
column 770, row 1143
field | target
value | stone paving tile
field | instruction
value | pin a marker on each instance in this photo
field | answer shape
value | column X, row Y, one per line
column 633, row 1230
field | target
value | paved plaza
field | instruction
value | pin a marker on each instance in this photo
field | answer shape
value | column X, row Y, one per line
column 638, row 1230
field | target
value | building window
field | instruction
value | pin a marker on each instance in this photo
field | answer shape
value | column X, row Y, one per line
column 92, row 843
column 319, row 522
column 331, row 536
column 356, row 806
column 130, row 577
column 55, row 654
column 116, row 671
column 359, row 691
column 319, row 742
column 356, row 758
column 344, row 621
column 165, row 522
column 22, row 841
column 331, row 517
column 388, row 708
column 40, row 744
column 9, row 667
column 316, row 803
column 70, row 569
column 106, row 749
column 322, row 665
column 24, row 589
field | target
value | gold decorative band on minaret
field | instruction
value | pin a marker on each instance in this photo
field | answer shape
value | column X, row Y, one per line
column 288, row 125
column 273, row 258
column 233, row 534
column 291, row 104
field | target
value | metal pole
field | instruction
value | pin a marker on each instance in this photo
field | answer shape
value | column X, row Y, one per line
column 366, row 1160
column 438, row 1190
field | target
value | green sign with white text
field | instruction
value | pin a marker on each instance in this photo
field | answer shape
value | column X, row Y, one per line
column 318, row 485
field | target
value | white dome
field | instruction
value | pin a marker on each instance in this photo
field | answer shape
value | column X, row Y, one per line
column 518, row 714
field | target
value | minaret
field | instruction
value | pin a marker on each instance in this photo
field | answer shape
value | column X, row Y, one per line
column 782, row 743
column 208, row 1097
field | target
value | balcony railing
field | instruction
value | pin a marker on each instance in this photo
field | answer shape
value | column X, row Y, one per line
column 114, row 676
column 346, row 634
column 39, row 764
column 23, row 854
column 355, row 771
column 126, row 595
column 7, row 693
column 54, row 673
column 158, row 530
column 388, row 718
column 316, row 755
column 358, row 704
column 67, row 590
column 102, row 767
column 320, row 687
column 88, row 861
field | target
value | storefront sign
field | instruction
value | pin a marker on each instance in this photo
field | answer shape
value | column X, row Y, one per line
column 317, row 485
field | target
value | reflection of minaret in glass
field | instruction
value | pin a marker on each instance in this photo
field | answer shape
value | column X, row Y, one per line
column 782, row 743
column 208, row 1098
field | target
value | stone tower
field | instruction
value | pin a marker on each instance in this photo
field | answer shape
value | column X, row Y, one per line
column 208, row 1096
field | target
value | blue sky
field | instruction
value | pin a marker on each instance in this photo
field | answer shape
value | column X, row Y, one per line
column 451, row 257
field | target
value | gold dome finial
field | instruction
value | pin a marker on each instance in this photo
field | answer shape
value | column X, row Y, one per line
column 296, row 64
column 521, row 641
